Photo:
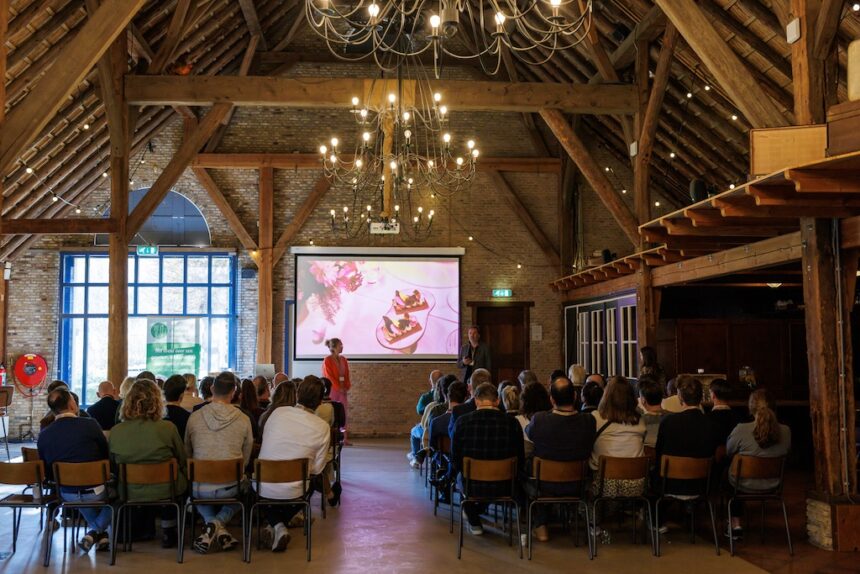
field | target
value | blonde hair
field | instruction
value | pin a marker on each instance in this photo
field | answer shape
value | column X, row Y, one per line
column 762, row 408
column 143, row 401
column 332, row 343
column 577, row 375
column 511, row 398
column 126, row 386
column 191, row 383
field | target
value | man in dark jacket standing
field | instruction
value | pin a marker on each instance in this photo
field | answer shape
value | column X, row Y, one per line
column 473, row 355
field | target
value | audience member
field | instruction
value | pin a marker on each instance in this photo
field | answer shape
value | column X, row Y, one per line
column 218, row 432
column 191, row 398
column 279, row 378
column 596, row 378
column 534, row 399
column 285, row 396
column 144, row 437
column 479, row 376
column 334, row 414
column 722, row 417
column 620, row 433
column 417, row 432
column 261, row 383
column 205, row 392
column 576, row 373
column 125, row 386
column 427, row 397
column 174, row 390
column 559, row 435
column 457, row 395
column 104, row 410
column 649, row 365
column 74, row 439
column 49, row 417
column 248, row 400
column 672, row 404
column 650, row 399
column 764, row 437
column 526, row 377
column 338, row 410
column 146, row 375
column 293, row 433
column 438, row 407
column 592, row 392
column 510, row 399
column 488, row 434
column 555, row 375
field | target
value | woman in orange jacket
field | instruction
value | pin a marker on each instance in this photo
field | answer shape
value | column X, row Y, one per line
column 336, row 369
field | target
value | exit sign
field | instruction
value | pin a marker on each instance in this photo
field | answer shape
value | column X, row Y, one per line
column 147, row 250
column 503, row 293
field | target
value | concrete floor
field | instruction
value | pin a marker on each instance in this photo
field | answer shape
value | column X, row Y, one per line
column 385, row 524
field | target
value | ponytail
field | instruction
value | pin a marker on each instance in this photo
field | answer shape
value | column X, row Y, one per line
column 762, row 407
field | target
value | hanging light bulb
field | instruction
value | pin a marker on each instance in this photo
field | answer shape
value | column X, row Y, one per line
column 443, row 110
column 54, row 198
column 366, row 136
column 373, row 10
column 435, row 20
column 470, row 144
column 459, row 161
column 500, row 19
column 363, row 113
column 475, row 153
column 391, row 98
column 406, row 116
column 437, row 97
column 334, row 142
column 333, row 158
column 29, row 170
column 78, row 210
column 408, row 135
column 323, row 149
column 354, row 101
column 359, row 164
column 446, row 137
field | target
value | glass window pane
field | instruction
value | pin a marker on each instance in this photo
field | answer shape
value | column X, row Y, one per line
column 221, row 270
column 220, row 301
column 173, row 270
column 136, row 344
column 171, row 300
column 198, row 269
column 73, row 300
column 96, row 356
column 147, row 300
column 73, row 329
column 131, row 300
column 97, row 301
column 131, row 262
column 147, row 269
column 205, row 368
column 99, row 270
column 219, row 358
column 76, row 269
column 198, row 301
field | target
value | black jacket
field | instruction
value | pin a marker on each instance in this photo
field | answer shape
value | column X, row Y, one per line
column 691, row 434
column 104, row 412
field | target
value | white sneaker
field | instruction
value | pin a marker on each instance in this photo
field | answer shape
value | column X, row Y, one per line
column 281, row 538
column 476, row 530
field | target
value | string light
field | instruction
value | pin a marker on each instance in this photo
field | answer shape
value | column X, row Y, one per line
column 689, row 95
column 856, row 7
column 731, row 186
column 672, row 155
column 519, row 266
column 656, row 204
column 734, row 117
column 707, row 88
column 623, row 191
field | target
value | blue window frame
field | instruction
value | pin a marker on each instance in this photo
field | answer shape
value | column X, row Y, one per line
column 174, row 284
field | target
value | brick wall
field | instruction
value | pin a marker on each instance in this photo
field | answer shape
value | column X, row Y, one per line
column 384, row 395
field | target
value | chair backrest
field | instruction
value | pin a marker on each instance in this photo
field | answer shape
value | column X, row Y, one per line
column 278, row 471
column 154, row 473
column 757, row 467
column 215, row 471
column 6, row 392
column 545, row 470
column 720, row 454
column 443, row 444
column 82, row 473
column 489, row 470
column 29, row 454
column 22, row 473
column 618, row 468
column 684, row 467
column 650, row 452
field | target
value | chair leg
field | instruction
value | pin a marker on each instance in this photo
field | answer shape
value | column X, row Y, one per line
column 529, row 526
column 519, row 532
column 308, row 524
column 48, row 539
column 713, row 526
column 180, row 536
column 112, row 534
column 15, row 514
column 182, row 528
column 460, row 537
column 451, row 500
column 762, row 521
column 787, row 530
column 653, row 535
column 592, row 529
column 250, row 528
column 6, row 439
column 245, row 535
column 587, row 526
column 655, row 529
column 729, row 528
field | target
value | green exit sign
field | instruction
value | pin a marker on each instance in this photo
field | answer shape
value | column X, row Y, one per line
column 503, row 293
column 147, row 250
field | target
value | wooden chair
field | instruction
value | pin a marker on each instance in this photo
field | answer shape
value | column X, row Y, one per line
column 222, row 472
column 650, row 452
column 617, row 468
column 441, row 448
column 6, row 392
column 94, row 474
column 32, row 455
column 552, row 472
column 477, row 470
column 161, row 473
column 745, row 467
column 29, row 454
column 279, row 472
column 24, row 474
column 686, row 468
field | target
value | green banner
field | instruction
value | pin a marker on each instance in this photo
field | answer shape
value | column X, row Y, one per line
column 173, row 345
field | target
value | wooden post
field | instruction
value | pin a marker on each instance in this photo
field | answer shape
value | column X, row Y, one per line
column 265, row 267
column 647, row 308
column 824, row 347
column 807, row 70
column 4, row 26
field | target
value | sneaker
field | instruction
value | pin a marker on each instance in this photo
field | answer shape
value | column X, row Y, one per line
column 102, row 542
column 410, row 457
column 225, row 539
column 297, row 521
column 476, row 529
column 203, row 543
column 268, row 535
column 541, row 533
column 281, row 538
column 414, row 463
column 88, row 541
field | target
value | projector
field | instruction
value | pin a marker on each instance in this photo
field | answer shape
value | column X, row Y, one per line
column 384, row 228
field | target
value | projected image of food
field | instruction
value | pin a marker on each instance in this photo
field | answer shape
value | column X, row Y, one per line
column 379, row 307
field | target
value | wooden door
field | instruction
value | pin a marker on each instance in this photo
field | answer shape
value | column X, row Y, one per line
column 505, row 328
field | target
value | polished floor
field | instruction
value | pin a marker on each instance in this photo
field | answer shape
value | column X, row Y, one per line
column 386, row 524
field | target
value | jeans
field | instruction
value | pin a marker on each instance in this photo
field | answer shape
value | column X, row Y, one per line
column 415, row 438
column 212, row 513
column 98, row 519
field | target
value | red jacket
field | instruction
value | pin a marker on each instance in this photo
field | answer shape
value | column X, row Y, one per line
column 331, row 370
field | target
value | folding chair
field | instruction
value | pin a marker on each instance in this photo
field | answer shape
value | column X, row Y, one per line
column 279, row 472
column 94, row 474
column 745, row 467
column 551, row 472
column 224, row 472
column 24, row 474
column 618, row 468
column 688, row 469
column 477, row 470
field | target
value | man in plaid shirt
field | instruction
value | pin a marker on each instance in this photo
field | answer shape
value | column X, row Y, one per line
column 488, row 434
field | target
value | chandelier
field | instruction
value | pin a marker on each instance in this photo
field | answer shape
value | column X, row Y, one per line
column 388, row 30
column 404, row 155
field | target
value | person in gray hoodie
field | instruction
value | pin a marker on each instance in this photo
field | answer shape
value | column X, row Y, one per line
column 219, row 432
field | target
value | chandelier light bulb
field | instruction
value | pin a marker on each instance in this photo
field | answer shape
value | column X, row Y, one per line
column 363, row 113
column 359, row 164
column 430, row 163
column 471, row 238
column 323, row 149
column 333, row 158
column 475, row 153
column 407, row 134
column 406, row 116
column 435, row 20
column 470, row 144
column 555, row 3
column 334, row 142
column 415, row 219
column 29, row 170
column 420, row 209
column 446, row 137
column 366, row 136
column 373, row 10
column 391, row 98
column 443, row 110
column 500, row 19
column 437, row 97
column 368, row 208
column 459, row 161
column 410, row 181
column 734, row 117
column 354, row 101
column 396, row 208
column 331, row 212
column 393, row 165
column 78, row 210
column 345, row 209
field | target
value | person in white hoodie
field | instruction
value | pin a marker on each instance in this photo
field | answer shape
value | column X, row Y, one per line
column 218, row 432
column 293, row 433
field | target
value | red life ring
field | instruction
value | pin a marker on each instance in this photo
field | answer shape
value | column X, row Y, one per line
column 31, row 370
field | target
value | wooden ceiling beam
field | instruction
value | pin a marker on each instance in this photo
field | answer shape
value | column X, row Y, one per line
column 168, row 46
column 730, row 209
column 723, row 63
column 460, row 95
column 301, row 217
column 826, row 27
column 249, row 12
column 825, row 181
column 686, row 228
column 647, row 29
column 223, row 205
column 72, row 226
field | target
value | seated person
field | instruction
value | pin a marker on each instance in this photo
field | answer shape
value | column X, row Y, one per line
column 534, row 399
column 414, row 455
column 174, row 390
column 73, row 439
column 49, row 418
column 672, row 404
column 555, row 375
column 596, row 378
column 510, row 394
column 457, row 394
column 592, row 392
column 650, row 400
column 261, row 383
column 291, row 433
column 205, row 392
column 763, row 437
column 559, row 435
column 576, row 373
column 485, row 433
column 722, row 417
column 218, row 432
column 104, row 410
column 525, row 377
column 479, row 376
column 191, row 397
column 620, row 433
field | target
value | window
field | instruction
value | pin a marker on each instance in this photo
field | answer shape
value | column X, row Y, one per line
column 611, row 344
column 597, row 341
column 193, row 295
column 628, row 341
column 584, row 344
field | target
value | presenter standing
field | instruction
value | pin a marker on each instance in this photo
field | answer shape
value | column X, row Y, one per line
column 473, row 355
column 336, row 369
